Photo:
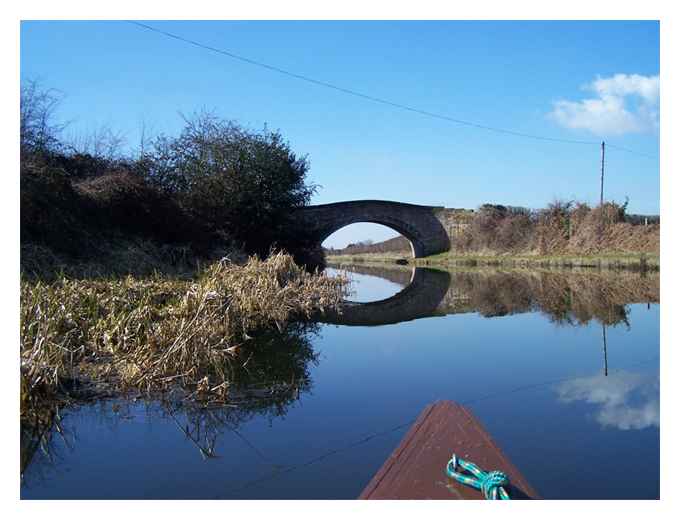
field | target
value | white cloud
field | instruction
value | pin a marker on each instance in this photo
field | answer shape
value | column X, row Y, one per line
column 624, row 103
column 625, row 400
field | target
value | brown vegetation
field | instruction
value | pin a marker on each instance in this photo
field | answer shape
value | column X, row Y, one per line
column 561, row 228
column 82, row 221
column 153, row 334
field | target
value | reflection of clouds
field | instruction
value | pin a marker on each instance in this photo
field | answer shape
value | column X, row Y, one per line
column 627, row 400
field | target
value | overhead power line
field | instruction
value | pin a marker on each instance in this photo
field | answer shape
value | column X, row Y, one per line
column 373, row 98
column 617, row 147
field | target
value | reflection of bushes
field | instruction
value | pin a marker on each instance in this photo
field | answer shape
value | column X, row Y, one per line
column 494, row 294
column 37, row 427
column 270, row 377
column 564, row 297
column 274, row 369
column 266, row 377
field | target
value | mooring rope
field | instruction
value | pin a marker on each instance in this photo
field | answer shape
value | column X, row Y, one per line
column 491, row 483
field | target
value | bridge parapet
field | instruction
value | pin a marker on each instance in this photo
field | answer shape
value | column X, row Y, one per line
column 455, row 220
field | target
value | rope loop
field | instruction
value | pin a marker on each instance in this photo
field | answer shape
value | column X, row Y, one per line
column 491, row 483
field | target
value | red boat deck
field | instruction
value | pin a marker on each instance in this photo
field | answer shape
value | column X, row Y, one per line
column 416, row 469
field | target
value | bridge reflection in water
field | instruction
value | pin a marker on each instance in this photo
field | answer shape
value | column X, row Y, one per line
column 425, row 290
column 574, row 297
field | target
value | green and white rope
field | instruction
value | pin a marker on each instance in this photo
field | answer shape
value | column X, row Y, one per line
column 491, row 483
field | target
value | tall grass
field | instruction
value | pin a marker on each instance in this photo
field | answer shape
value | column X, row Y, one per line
column 561, row 228
column 155, row 333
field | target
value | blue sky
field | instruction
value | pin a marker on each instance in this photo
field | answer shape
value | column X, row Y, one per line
column 568, row 80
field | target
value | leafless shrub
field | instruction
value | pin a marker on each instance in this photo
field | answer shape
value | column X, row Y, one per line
column 39, row 133
column 103, row 143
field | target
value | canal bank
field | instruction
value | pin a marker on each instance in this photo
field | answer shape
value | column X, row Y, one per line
column 630, row 261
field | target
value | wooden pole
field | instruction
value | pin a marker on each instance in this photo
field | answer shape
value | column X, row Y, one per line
column 601, row 230
column 602, row 176
column 604, row 347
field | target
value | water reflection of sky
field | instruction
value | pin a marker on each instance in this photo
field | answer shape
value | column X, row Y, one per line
column 623, row 400
column 366, row 288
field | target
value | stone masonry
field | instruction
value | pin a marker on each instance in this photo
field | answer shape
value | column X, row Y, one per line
column 429, row 229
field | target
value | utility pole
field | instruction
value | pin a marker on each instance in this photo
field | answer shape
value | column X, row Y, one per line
column 604, row 347
column 602, row 176
column 601, row 230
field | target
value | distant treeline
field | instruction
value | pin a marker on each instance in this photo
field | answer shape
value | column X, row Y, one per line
column 396, row 244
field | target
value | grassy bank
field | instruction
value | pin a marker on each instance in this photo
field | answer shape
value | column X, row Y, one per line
column 82, row 336
column 632, row 261
column 381, row 258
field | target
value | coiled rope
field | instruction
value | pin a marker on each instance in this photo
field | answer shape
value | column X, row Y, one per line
column 491, row 483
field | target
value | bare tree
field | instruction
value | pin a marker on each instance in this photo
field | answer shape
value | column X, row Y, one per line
column 39, row 133
column 102, row 143
column 146, row 138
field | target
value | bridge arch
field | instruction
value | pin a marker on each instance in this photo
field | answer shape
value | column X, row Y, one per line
column 418, row 224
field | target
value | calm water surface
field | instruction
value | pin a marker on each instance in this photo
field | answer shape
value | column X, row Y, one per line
column 563, row 371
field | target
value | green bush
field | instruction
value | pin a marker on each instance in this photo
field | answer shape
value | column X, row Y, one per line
column 245, row 183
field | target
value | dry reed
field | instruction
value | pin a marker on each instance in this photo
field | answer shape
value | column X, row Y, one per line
column 156, row 333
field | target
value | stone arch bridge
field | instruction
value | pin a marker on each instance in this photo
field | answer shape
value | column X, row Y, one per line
column 429, row 229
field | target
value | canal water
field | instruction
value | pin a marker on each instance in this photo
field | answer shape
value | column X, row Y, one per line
column 562, row 369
